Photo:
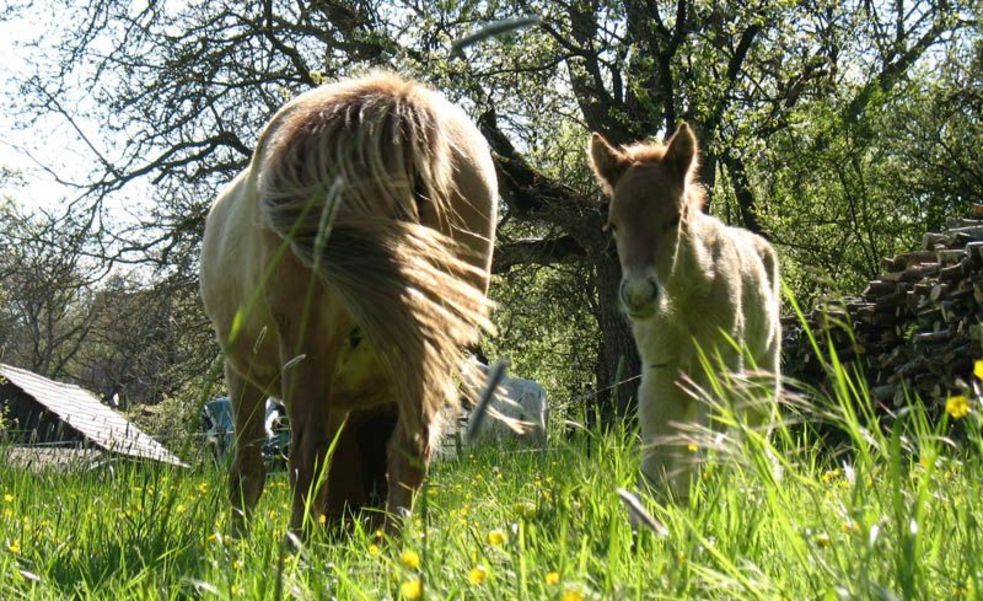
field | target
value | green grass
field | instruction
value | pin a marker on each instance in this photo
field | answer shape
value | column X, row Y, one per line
column 893, row 510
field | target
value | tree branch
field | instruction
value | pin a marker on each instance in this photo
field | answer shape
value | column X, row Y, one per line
column 547, row 251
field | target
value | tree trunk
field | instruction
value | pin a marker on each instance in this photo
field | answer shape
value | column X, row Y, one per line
column 594, row 403
column 708, row 178
column 615, row 400
column 743, row 193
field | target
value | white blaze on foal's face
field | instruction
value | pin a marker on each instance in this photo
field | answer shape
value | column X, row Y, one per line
column 647, row 187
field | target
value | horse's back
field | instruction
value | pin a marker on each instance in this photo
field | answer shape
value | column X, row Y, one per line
column 759, row 289
column 756, row 254
column 235, row 250
column 227, row 246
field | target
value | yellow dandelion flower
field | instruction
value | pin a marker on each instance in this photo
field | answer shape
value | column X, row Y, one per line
column 411, row 589
column 8, row 498
column 478, row 574
column 378, row 534
column 14, row 547
column 8, row 513
column 410, row 559
column 978, row 368
column 497, row 537
column 180, row 508
column 831, row 475
column 553, row 578
column 322, row 519
column 850, row 527
column 374, row 550
column 957, row 406
column 692, row 447
column 203, row 487
column 572, row 594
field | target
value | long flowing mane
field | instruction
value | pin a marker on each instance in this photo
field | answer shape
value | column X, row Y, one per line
column 376, row 156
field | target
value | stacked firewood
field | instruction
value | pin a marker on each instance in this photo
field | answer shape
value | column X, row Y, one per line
column 916, row 328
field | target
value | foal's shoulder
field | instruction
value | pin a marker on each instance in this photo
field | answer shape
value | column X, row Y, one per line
column 754, row 248
column 748, row 238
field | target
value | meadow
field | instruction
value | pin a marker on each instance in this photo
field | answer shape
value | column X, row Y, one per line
column 890, row 510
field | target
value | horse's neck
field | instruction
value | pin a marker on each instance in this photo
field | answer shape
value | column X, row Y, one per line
column 693, row 261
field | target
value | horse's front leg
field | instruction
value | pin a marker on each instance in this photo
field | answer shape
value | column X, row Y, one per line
column 409, row 457
column 664, row 410
column 346, row 486
column 247, row 474
column 310, row 440
column 307, row 387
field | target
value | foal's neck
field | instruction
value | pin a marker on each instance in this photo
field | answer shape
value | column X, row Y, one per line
column 692, row 263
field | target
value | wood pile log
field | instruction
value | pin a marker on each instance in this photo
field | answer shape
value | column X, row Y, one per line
column 915, row 329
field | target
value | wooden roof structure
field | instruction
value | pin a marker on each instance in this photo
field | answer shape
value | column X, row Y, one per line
column 82, row 411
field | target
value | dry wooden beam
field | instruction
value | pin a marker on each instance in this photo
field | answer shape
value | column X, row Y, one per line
column 957, row 222
column 953, row 272
column 950, row 256
column 922, row 270
column 932, row 240
column 973, row 231
column 942, row 335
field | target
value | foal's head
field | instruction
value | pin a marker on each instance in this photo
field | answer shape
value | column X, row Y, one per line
column 651, row 194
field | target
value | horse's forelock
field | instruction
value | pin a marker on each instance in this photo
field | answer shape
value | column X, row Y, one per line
column 653, row 153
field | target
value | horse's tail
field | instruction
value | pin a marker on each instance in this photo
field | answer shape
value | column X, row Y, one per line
column 346, row 181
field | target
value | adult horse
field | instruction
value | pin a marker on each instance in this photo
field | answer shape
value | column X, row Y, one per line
column 692, row 287
column 344, row 271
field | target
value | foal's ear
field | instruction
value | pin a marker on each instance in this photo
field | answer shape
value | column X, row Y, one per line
column 608, row 162
column 681, row 154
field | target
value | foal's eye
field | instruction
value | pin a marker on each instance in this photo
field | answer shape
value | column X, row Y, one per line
column 672, row 224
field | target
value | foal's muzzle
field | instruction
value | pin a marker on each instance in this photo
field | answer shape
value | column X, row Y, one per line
column 639, row 296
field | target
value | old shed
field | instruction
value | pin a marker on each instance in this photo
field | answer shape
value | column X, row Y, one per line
column 45, row 411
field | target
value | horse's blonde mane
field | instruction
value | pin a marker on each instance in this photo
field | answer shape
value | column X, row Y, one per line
column 378, row 134
column 357, row 176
